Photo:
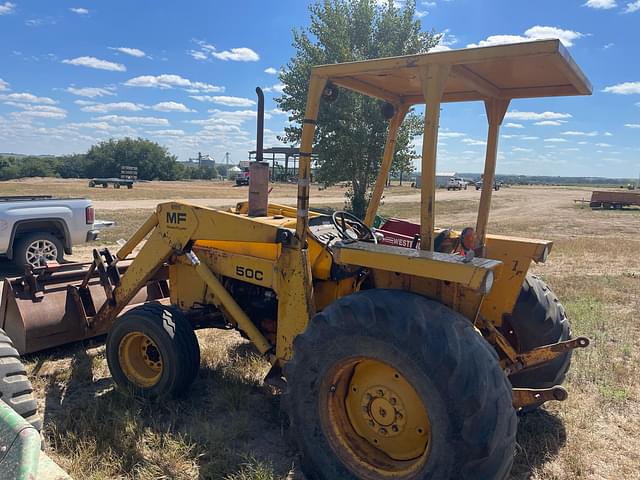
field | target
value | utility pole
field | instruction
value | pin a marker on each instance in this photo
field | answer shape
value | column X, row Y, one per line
column 226, row 158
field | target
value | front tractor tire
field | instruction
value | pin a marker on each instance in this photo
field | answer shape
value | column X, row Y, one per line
column 539, row 319
column 388, row 384
column 153, row 352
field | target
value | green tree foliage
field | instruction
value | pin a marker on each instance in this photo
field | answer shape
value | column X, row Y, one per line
column 351, row 131
column 153, row 161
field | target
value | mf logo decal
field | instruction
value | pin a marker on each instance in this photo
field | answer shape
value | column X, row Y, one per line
column 168, row 323
column 176, row 218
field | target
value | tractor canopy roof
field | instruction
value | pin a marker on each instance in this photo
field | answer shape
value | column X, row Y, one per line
column 541, row 68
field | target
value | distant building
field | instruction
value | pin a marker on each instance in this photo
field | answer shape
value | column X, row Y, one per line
column 200, row 161
column 441, row 179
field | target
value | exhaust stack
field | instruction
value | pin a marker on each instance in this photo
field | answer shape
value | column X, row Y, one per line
column 259, row 170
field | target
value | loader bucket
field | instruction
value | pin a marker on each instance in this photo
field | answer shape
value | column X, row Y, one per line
column 42, row 309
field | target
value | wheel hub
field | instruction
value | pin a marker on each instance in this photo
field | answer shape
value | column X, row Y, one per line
column 385, row 410
column 384, row 413
column 140, row 359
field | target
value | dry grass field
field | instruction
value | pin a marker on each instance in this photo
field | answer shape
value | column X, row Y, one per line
column 229, row 428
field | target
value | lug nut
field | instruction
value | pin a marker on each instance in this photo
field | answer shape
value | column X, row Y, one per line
column 383, row 431
column 394, row 428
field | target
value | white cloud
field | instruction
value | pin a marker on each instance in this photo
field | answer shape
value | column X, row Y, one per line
column 626, row 88
column 221, row 117
column 271, row 71
column 519, row 149
column 6, row 8
column 471, row 141
column 517, row 115
column 90, row 92
column 197, row 54
column 79, row 11
column 4, row 85
column 171, row 107
column 601, row 4
column 42, row 111
column 573, row 133
column 608, row 134
column 421, row 13
column 93, row 62
column 167, row 133
column 632, row 125
column 27, row 98
column 530, row 138
column 448, row 134
column 225, row 100
column 608, row 46
column 555, row 140
column 632, row 7
column 111, row 107
column 134, row 52
column 166, row 81
column 514, row 125
column 550, row 123
column 538, row 32
column 84, row 103
column 242, row 54
column 123, row 120
column 604, row 145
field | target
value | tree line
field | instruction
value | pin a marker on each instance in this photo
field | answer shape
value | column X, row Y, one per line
column 105, row 159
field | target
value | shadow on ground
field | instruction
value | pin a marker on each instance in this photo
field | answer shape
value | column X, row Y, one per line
column 225, row 427
column 541, row 435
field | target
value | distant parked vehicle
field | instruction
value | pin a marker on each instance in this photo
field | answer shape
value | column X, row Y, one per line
column 38, row 229
column 457, row 183
column 496, row 185
column 243, row 177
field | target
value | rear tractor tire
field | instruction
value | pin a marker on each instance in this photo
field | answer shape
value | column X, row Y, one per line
column 388, row 384
column 538, row 319
column 153, row 352
column 15, row 387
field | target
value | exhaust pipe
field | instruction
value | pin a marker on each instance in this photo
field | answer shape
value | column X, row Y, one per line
column 259, row 170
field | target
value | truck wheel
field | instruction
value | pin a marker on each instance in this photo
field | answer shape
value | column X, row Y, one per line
column 36, row 249
column 15, row 387
column 538, row 319
column 388, row 384
column 153, row 352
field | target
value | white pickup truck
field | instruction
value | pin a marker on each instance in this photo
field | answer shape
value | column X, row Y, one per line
column 38, row 229
column 457, row 183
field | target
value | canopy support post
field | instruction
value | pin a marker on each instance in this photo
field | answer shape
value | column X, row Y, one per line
column 496, row 109
column 316, row 87
column 433, row 78
column 385, row 166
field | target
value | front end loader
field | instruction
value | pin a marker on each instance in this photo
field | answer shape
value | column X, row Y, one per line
column 394, row 362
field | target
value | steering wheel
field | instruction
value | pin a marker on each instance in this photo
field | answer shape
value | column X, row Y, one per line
column 351, row 228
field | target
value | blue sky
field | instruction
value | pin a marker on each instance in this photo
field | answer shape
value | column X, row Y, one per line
column 183, row 74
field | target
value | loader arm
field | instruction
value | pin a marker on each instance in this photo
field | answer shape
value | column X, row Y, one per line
column 172, row 229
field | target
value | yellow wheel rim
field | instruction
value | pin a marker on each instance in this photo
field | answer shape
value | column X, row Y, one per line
column 375, row 420
column 140, row 359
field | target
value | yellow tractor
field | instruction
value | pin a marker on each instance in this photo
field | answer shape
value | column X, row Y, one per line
column 404, row 363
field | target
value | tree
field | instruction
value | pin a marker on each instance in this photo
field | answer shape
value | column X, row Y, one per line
column 351, row 131
column 153, row 161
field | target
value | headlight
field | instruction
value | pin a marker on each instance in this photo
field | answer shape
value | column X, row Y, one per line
column 488, row 282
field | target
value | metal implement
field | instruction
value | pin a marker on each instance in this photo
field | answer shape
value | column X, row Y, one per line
column 542, row 354
column 527, row 397
column 21, row 457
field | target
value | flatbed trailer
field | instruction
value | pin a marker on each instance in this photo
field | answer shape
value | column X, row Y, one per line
column 116, row 182
column 614, row 200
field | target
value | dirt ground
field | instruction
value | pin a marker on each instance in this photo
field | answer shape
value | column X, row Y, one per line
column 228, row 428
